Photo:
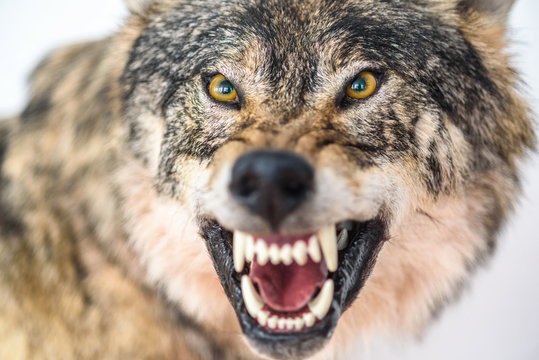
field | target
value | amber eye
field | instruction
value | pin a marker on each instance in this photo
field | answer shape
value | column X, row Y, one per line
column 362, row 86
column 221, row 89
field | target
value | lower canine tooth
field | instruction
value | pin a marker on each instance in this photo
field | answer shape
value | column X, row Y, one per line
column 328, row 243
column 342, row 239
column 238, row 250
column 253, row 301
column 319, row 306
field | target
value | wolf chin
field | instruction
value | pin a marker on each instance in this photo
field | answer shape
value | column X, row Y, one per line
column 256, row 179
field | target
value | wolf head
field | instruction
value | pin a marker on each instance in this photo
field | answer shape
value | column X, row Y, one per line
column 310, row 144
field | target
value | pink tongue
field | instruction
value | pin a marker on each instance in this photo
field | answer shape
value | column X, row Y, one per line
column 288, row 287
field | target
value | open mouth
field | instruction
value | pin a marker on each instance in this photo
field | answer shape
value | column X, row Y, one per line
column 289, row 291
column 286, row 284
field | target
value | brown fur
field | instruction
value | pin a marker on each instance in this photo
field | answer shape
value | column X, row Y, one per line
column 100, row 251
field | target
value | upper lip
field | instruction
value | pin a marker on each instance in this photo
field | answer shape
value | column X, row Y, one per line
column 354, row 265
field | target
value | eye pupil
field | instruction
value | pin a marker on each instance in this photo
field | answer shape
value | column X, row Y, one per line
column 359, row 84
column 225, row 87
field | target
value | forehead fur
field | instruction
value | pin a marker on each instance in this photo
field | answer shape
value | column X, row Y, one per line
column 431, row 48
column 420, row 46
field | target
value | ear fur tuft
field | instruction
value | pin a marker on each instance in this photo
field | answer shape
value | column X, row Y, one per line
column 138, row 6
column 498, row 9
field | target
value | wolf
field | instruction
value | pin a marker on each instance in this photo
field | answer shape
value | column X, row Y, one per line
column 251, row 179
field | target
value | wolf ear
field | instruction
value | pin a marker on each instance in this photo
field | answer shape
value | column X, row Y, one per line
column 138, row 6
column 498, row 9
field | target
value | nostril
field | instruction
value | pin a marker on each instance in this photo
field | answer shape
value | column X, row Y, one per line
column 295, row 187
column 246, row 185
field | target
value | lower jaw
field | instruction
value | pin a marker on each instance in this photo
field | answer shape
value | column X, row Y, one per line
column 355, row 264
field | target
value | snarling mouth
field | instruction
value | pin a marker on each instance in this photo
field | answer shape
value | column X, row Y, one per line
column 289, row 291
column 288, row 271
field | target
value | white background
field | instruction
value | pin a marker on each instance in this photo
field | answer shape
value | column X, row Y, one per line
column 496, row 318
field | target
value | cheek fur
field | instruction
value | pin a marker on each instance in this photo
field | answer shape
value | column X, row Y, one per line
column 165, row 235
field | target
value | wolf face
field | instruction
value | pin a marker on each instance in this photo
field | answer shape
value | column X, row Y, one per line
column 338, row 168
column 296, row 186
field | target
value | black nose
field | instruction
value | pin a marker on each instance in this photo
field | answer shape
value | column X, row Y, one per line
column 271, row 183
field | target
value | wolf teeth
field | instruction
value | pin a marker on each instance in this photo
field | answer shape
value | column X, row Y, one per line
column 309, row 319
column 262, row 317
column 299, row 323
column 253, row 301
column 319, row 306
column 255, row 304
column 290, row 323
column 286, row 254
column 272, row 322
column 314, row 249
column 262, row 254
column 275, row 254
column 299, row 252
column 248, row 249
column 238, row 250
column 328, row 243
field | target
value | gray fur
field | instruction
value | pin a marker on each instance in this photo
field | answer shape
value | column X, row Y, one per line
column 121, row 161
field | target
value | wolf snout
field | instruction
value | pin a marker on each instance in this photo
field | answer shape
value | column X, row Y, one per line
column 271, row 183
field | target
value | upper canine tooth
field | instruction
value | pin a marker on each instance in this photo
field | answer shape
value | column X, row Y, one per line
column 262, row 255
column 319, row 306
column 286, row 254
column 328, row 243
column 299, row 252
column 313, row 249
column 342, row 239
column 274, row 254
column 253, row 301
column 238, row 250
column 249, row 248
